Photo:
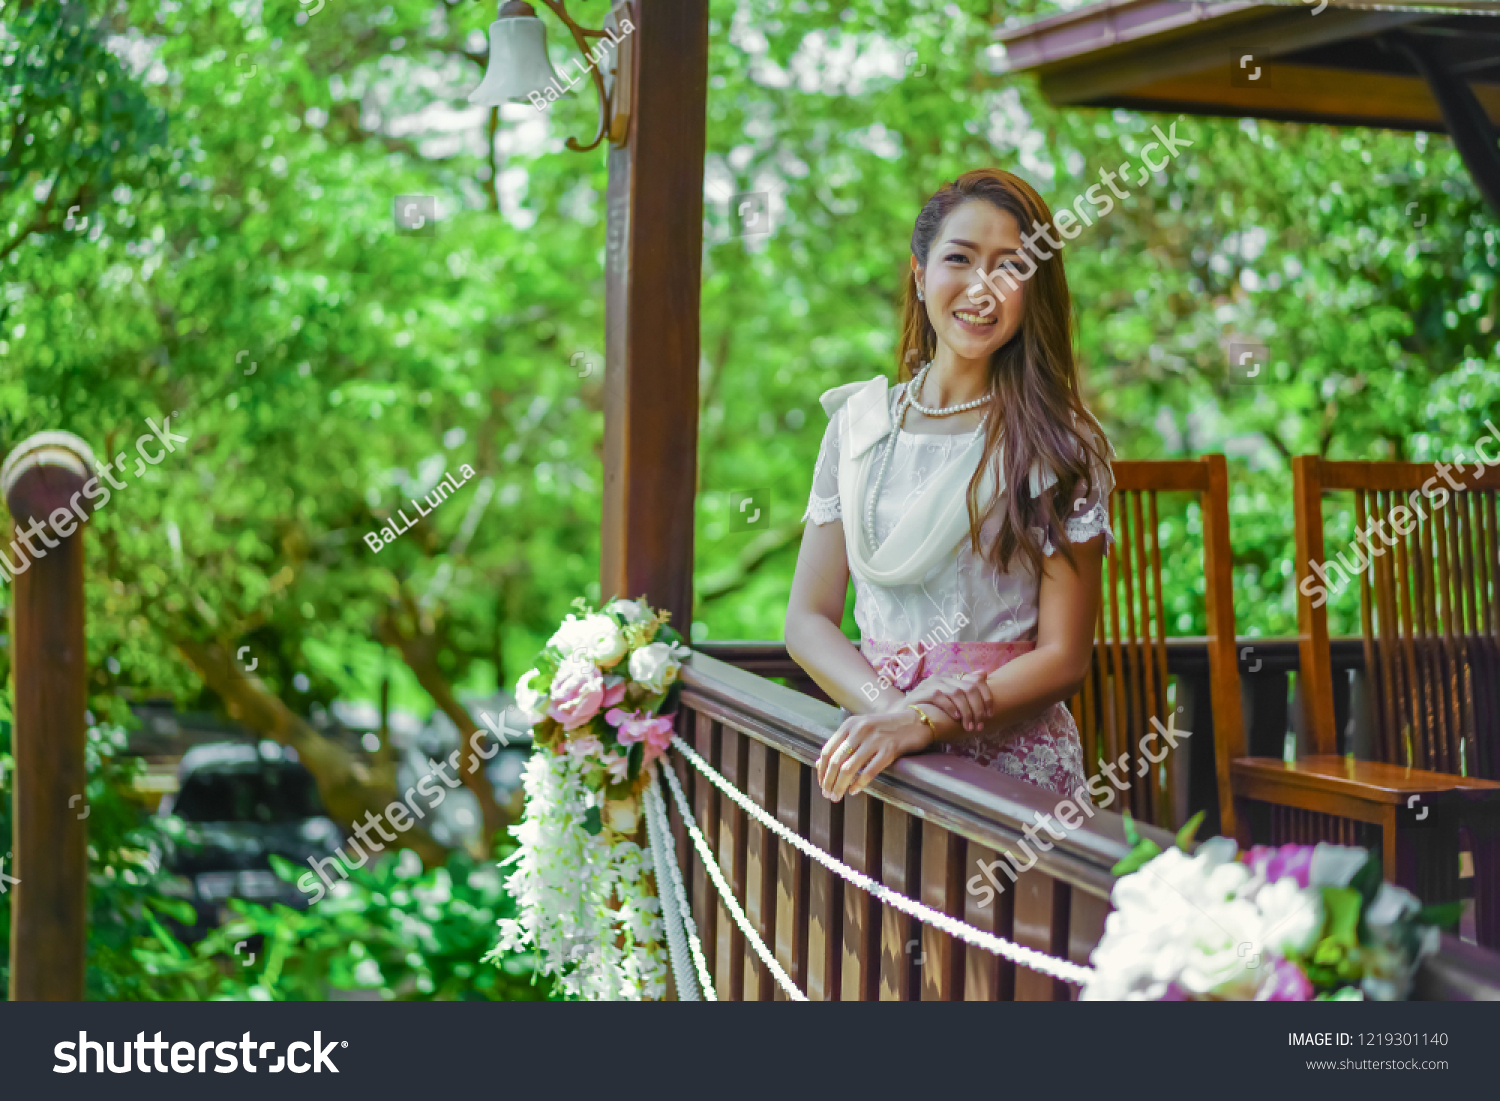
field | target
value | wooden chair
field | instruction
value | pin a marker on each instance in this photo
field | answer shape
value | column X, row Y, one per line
column 1428, row 615
column 1127, row 688
column 1431, row 631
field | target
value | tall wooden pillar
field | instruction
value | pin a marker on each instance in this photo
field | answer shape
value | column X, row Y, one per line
column 654, row 264
column 42, row 480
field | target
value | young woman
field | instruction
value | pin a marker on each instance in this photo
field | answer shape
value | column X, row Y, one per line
column 971, row 505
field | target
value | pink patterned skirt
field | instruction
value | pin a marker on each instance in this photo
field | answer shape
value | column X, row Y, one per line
column 1045, row 751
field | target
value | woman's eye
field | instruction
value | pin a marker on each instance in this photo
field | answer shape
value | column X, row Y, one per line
column 957, row 257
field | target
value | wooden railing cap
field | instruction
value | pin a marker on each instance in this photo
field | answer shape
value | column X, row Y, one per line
column 50, row 454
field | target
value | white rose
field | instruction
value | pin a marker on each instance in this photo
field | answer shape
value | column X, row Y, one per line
column 570, row 635
column 1225, row 952
column 601, row 642
column 633, row 611
column 1335, row 865
column 654, row 667
column 532, row 702
column 1293, row 915
column 1390, row 905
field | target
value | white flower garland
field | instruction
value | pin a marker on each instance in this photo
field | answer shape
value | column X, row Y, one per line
column 586, row 906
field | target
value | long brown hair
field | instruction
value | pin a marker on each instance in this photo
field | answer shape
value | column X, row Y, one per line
column 1033, row 377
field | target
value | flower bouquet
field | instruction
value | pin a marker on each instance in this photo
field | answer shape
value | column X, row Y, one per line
column 595, row 698
column 1295, row 923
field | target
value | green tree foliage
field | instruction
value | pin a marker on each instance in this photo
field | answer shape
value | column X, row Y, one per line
column 241, row 270
column 387, row 932
column 1303, row 238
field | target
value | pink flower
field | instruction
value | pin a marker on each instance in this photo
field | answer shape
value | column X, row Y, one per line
column 637, row 727
column 1284, row 982
column 577, row 693
column 618, row 767
column 580, row 749
column 1275, row 863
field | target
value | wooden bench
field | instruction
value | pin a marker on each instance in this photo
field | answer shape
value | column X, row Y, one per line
column 1413, row 816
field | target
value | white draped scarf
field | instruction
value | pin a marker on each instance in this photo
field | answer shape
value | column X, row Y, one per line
column 936, row 525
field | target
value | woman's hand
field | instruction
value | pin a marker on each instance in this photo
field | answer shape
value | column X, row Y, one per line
column 865, row 745
column 965, row 698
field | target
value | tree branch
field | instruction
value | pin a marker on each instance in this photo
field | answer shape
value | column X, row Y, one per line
column 419, row 650
column 759, row 549
column 349, row 790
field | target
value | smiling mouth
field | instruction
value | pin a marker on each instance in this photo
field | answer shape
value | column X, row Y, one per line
column 975, row 319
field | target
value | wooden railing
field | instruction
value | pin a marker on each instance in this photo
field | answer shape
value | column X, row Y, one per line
column 921, row 829
column 1268, row 696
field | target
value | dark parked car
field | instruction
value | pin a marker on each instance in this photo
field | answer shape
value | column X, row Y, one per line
column 236, row 805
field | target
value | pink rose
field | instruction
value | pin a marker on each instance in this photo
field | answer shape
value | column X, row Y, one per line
column 577, row 693
column 637, row 727
column 614, row 690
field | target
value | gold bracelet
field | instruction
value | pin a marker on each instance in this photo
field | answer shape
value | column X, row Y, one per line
column 924, row 717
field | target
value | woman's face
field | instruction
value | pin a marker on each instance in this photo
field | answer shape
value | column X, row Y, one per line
column 976, row 239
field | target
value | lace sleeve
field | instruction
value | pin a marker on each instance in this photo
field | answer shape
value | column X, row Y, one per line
column 1089, row 517
column 823, row 503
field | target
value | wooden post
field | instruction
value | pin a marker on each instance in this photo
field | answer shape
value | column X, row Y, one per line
column 42, row 480
column 653, row 267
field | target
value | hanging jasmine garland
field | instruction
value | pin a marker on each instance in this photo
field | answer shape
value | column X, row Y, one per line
column 588, row 903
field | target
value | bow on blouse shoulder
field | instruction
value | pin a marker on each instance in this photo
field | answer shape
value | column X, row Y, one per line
column 868, row 420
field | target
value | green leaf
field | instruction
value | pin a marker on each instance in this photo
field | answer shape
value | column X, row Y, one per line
column 1186, row 834
column 1342, row 905
column 592, row 821
column 1367, row 880
column 1131, row 836
column 1328, row 953
column 1141, row 854
column 1444, row 915
column 175, row 908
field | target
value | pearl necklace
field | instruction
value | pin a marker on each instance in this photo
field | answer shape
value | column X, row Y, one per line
column 909, row 401
column 945, row 411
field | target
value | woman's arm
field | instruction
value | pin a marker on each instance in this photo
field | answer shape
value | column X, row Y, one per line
column 814, row 611
column 1067, row 607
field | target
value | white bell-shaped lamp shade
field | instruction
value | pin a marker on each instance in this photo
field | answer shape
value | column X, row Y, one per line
column 518, row 62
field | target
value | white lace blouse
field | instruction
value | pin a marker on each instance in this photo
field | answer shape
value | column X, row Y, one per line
column 997, row 607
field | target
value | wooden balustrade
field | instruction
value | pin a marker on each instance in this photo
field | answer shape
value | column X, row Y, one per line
column 1268, row 698
column 920, row 828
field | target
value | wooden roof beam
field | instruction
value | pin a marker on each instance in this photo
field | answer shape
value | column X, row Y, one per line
column 1470, row 127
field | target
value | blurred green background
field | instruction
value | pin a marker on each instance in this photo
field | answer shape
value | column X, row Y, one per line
column 196, row 220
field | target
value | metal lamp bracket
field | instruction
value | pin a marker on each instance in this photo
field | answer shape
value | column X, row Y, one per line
column 615, row 87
